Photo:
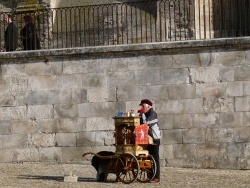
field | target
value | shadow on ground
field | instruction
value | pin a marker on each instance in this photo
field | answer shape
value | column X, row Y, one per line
column 54, row 178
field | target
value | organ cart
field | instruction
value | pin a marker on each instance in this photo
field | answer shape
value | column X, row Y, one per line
column 131, row 161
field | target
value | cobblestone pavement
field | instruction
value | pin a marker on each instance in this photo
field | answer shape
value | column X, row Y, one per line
column 52, row 175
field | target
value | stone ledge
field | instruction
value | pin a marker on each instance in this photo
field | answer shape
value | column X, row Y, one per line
column 145, row 48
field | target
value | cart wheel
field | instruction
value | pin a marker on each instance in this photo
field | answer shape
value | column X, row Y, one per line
column 147, row 168
column 127, row 168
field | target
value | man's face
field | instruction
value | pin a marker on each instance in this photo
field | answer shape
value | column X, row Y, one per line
column 7, row 19
column 145, row 107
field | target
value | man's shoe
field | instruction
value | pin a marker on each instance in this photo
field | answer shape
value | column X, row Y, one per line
column 155, row 180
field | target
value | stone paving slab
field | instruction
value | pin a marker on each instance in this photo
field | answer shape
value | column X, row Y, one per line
column 52, row 175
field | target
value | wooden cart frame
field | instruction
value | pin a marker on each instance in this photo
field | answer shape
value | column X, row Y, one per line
column 131, row 161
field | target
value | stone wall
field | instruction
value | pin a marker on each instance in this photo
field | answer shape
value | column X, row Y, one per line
column 57, row 104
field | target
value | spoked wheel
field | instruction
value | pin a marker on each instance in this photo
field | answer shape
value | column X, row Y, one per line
column 127, row 168
column 147, row 168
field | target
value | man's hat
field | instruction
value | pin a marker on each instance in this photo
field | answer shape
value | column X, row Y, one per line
column 146, row 101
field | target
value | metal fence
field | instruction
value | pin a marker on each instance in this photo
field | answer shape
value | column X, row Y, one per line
column 135, row 22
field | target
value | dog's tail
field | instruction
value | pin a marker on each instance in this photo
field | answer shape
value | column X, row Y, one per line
column 100, row 156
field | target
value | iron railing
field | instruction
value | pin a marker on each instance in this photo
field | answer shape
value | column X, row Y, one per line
column 136, row 22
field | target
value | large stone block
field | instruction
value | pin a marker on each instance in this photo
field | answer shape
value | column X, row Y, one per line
column 227, row 58
column 182, row 91
column 210, row 150
column 246, row 88
column 146, row 77
column 6, row 155
column 65, row 139
column 101, row 94
column 26, row 155
column 220, row 135
column 174, row 76
column 205, row 75
column 40, row 112
column 186, row 106
column 227, row 74
column 184, row 151
column 242, row 104
column 85, row 139
column 40, row 68
column 211, row 90
column 221, row 104
column 194, row 136
column 167, row 152
column 5, row 127
column 43, row 97
column 155, row 92
column 230, row 120
column 186, row 60
column 66, row 111
column 50, row 154
column 19, row 84
column 234, row 89
column 129, row 93
column 241, row 134
column 120, row 78
column 5, row 113
column 235, row 150
column 165, row 121
column 42, row 140
column 24, row 127
column 65, row 125
column 171, row 136
column 207, row 120
column 18, row 113
column 72, row 81
column 14, row 141
column 159, row 61
column 100, row 124
column 43, row 83
column 95, row 80
column 182, row 121
column 73, row 154
column 93, row 109
column 241, row 73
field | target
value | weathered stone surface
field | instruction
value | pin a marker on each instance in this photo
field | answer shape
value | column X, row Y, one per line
column 242, row 104
column 14, row 141
column 42, row 140
column 194, row 136
column 228, row 120
column 182, row 91
column 172, row 136
column 205, row 75
column 5, row 128
column 26, row 155
column 50, row 154
column 180, row 106
column 241, row 134
column 228, row 58
column 219, row 135
column 56, row 111
column 65, row 139
column 183, row 121
column 174, row 76
column 129, row 92
column 234, row 89
column 93, row 110
column 24, row 127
